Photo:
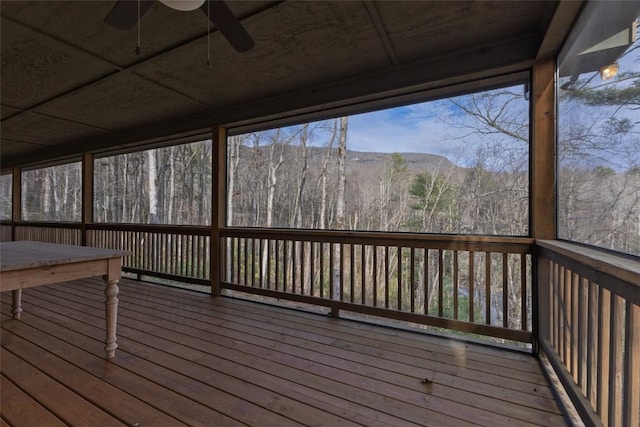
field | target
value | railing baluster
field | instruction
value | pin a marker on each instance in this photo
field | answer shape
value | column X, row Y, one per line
column 562, row 301
column 352, row 272
column 277, row 248
column 440, row 280
column 567, row 318
column 582, row 323
column 505, row 290
column 592, row 342
column 341, row 272
column 615, row 360
column 285, row 266
column 261, row 267
column 523, row 292
column 399, row 278
column 631, row 367
column 321, row 246
column 374, row 269
column 253, row 262
column 294, row 257
column 426, row 281
column 575, row 303
column 472, row 291
column 332, row 295
column 555, row 289
column 303, row 268
column 412, row 279
column 193, row 258
column 312, row 267
column 455, row 285
column 487, row 292
column 238, row 240
column 386, row 277
column 602, row 394
column 269, row 245
column 245, row 260
column 363, row 273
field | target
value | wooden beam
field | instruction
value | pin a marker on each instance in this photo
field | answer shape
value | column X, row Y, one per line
column 565, row 14
column 218, row 202
column 384, row 37
column 543, row 160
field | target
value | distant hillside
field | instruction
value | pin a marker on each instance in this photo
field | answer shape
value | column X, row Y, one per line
column 416, row 162
column 365, row 160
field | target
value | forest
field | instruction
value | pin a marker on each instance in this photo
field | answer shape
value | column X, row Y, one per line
column 307, row 176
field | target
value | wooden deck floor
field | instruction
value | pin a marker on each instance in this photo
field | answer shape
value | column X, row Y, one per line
column 187, row 359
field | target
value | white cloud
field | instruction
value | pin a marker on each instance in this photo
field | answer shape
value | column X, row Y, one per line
column 410, row 129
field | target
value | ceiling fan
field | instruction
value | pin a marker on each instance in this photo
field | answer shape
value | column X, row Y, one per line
column 124, row 16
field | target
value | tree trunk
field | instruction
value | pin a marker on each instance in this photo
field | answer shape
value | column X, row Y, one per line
column 323, row 178
column 340, row 202
column 153, row 187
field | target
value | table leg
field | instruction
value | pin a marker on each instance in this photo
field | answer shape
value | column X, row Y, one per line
column 111, row 311
column 17, row 303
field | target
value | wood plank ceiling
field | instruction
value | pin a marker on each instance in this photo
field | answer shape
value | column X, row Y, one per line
column 70, row 83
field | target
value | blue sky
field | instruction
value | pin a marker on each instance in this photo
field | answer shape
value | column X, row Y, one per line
column 408, row 129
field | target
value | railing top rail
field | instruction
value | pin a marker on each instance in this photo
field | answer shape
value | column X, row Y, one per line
column 436, row 241
column 620, row 267
column 199, row 230
column 49, row 224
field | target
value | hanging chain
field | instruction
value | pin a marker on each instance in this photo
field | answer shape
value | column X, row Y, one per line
column 138, row 46
column 208, row 35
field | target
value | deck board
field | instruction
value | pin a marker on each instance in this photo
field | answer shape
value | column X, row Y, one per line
column 188, row 358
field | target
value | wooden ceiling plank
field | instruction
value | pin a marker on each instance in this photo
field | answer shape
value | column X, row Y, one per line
column 464, row 65
column 118, row 69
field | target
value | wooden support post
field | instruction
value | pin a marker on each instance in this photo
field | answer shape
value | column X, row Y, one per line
column 543, row 159
column 16, row 199
column 87, row 198
column 543, row 186
column 218, row 203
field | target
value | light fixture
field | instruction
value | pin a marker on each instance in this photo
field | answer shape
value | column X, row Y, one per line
column 609, row 71
column 183, row 5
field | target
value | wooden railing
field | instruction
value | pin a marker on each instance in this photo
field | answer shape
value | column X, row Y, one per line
column 179, row 253
column 478, row 285
column 50, row 232
column 171, row 252
column 589, row 326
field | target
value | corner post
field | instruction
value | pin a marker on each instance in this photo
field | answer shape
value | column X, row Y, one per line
column 543, row 180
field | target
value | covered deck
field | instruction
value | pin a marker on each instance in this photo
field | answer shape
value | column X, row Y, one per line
column 188, row 359
column 78, row 91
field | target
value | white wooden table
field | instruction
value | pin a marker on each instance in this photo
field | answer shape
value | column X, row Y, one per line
column 26, row 264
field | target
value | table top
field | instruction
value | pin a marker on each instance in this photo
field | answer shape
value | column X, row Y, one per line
column 26, row 254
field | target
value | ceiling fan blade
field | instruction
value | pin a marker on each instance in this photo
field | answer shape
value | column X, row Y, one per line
column 124, row 14
column 224, row 20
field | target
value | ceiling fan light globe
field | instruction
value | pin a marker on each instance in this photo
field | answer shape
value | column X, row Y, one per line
column 183, row 5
